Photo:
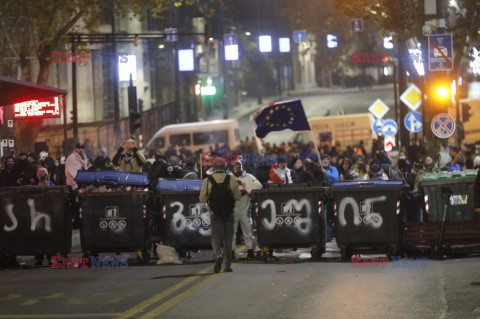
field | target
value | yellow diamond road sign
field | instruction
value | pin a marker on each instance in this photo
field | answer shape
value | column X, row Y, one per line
column 412, row 97
column 379, row 109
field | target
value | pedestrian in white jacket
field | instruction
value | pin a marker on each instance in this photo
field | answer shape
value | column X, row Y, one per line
column 246, row 182
column 75, row 162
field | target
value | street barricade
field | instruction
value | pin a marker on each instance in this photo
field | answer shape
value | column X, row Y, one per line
column 34, row 220
column 459, row 185
column 368, row 215
column 185, row 220
column 291, row 216
column 451, row 226
column 115, row 220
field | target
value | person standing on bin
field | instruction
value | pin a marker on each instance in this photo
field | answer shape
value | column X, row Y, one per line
column 129, row 158
column 221, row 191
column 75, row 162
column 247, row 182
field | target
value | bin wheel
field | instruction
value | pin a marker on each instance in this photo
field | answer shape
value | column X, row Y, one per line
column 346, row 253
column 143, row 257
column 8, row 260
column 438, row 252
column 393, row 252
column 317, row 252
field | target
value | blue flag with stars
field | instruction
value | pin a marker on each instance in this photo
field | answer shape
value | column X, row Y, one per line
column 280, row 116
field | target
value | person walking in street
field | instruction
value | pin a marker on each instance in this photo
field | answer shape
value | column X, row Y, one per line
column 246, row 182
column 75, row 162
column 221, row 191
column 128, row 158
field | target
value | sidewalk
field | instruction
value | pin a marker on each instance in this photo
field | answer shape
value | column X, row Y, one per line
column 250, row 105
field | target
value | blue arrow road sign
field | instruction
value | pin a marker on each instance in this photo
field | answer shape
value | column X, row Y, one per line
column 230, row 39
column 299, row 36
column 357, row 25
column 377, row 126
column 413, row 122
column 171, row 35
column 389, row 127
column 440, row 52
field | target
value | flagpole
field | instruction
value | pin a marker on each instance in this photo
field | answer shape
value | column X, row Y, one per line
column 315, row 143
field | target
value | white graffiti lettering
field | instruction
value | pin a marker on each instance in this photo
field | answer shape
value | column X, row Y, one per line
column 366, row 216
column 179, row 222
column 9, row 208
column 289, row 215
column 35, row 217
column 269, row 225
column 304, row 225
column 199, row 218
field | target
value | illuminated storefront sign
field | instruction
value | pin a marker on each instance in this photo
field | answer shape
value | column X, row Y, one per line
column 37, row 109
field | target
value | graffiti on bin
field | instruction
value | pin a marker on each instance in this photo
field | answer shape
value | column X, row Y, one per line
column 35, row 218
column 197, row 217
column 291, row 214
column 112, row 220
column 365, row 216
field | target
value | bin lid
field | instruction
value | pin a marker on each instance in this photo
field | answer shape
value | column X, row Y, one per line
column 179, row 184
column 452, row 177
column 368, row 184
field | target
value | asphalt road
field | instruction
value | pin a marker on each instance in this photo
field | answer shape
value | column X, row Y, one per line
column 290, row 287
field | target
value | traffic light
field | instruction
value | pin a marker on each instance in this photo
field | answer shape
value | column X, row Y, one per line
column 207, row 33
column 466, row 112
column 133, row 114
column 439, row 94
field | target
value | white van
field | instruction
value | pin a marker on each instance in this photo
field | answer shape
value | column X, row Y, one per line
column 195, row 136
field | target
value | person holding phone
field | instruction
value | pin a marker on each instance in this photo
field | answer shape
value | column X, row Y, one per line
column 128, row 158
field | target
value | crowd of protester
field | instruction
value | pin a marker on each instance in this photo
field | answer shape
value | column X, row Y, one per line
column 324, row 166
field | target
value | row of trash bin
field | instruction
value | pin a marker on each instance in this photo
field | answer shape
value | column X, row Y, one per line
column 118, row 213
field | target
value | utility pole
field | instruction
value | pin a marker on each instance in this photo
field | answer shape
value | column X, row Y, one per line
column 116, row 99
column 74, row 93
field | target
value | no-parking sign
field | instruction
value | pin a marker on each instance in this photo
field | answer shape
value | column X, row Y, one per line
column 443, row 125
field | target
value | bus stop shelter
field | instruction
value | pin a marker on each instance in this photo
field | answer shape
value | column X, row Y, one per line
column 15, row 91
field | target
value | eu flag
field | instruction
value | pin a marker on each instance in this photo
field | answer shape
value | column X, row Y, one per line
column 280, row 116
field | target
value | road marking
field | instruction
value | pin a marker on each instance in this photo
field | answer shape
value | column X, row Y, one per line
column 11, row 297
column 150, row 301
column 82, row 315
column 54, row 296
column 29, row 302
column 172, row 302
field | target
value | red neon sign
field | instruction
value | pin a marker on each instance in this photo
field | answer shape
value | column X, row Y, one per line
column 37, row 109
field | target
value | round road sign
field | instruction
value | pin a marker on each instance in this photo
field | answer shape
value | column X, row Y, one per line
column 443, row 125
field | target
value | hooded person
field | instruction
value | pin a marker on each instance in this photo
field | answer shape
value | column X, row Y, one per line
column 376, row 172
column 9, row 175
column 360, row 166
column 476, row 162
column 444, row 161
column 280, row 173
column 246, row 183
column 190, row 171
column 348, row 171
column 328, row 169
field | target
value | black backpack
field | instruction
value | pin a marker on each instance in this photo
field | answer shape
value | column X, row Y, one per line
column 220, row 199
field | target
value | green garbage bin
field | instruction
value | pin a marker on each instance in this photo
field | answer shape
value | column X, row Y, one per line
column 459, row 186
